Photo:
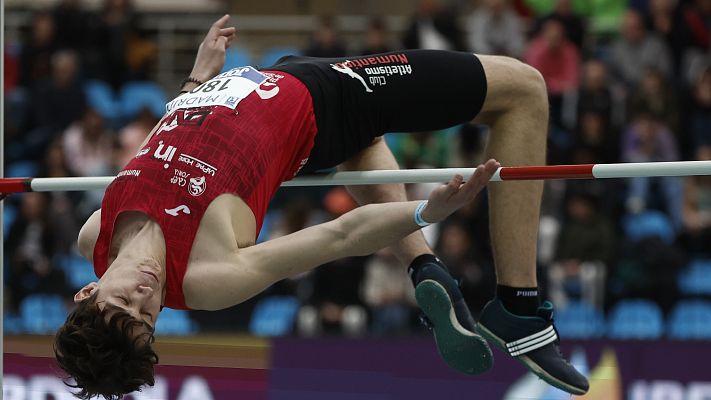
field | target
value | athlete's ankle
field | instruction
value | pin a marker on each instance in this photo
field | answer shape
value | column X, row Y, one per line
column 519, row 300
column 421, row 261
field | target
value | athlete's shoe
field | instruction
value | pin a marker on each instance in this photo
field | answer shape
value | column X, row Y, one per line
column 448, row 316
column 534, row 342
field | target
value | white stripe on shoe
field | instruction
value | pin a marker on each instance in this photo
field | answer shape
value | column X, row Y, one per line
column 532, row 342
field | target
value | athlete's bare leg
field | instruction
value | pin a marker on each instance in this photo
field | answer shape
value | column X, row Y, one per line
column 379, row 156
column 516, row 108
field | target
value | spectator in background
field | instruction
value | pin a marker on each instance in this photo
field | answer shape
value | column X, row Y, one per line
column 647, row 139
column 467, row 245
column 115, row 30
column 326, row 42
column 475, row 218
column 36, row 51
column 696, row 18
column 558, row 61
column 17, row 105
column 666, row 20
column 55, row 162
column 699, row 124
column 595, row 140
column 30, row 245
column 59, row 100
column 35, row 65
column 12, row 70
column 494, row 28
column 656, row 95
column 132, row 135
column 389, row 294
column 72, row 25
column 331, row 296
column 336, row 297
column 468, row 147
column 61, row 205
column 586, row 246
column 574, row 24
column 421, row 149
column 140, row 56
column 434, row 27
column 638, row 50
column 697, row 56
column 595, row 94
column 602, row 16
column 465, row 263
column 56, row 102
column 376, row 38
column 88, row 146
column 697, row 208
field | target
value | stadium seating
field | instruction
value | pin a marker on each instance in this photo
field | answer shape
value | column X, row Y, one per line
column 22, row 169
column 175, row 323
column 696, row 278
column 274, row 316
column 273, row 54
column 102, row 99
column 42, row 313
column 635, row 319
column 12, row 323
column 236, row 57
column 690, row 319
column 580, row 320
column 138, row 95
column 77, row 269
column 9, row 214
column 648, row 224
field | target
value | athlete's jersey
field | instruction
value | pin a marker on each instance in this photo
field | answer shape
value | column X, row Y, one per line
column 243, row 139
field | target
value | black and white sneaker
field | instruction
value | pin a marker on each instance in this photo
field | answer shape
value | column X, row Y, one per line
column 534, row 342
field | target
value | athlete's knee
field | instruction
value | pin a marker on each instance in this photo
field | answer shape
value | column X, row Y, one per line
column 528, row 80
column 512, row 83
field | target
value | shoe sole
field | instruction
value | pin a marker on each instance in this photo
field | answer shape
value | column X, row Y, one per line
column 529, row 363
column 461, row 349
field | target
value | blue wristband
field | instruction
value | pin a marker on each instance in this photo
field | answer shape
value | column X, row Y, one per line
column 418, row 214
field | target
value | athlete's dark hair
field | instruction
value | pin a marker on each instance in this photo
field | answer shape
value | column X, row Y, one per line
column 102, row 356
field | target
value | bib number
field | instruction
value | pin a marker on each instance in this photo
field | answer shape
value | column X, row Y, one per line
column 226, row 89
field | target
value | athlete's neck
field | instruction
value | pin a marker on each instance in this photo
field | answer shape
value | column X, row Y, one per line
column 142, row 247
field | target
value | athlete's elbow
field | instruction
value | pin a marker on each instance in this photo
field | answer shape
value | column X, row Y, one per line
column 351, row 233
column 337, row 233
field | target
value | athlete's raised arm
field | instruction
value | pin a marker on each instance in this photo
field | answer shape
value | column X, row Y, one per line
column 209, row 60
column 211, row 54
column 359, row 232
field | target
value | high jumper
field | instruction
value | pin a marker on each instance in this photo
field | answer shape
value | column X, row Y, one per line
column 178, row 226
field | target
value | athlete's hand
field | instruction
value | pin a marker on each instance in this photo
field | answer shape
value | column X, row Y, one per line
column 211, row 53
column 448, row 198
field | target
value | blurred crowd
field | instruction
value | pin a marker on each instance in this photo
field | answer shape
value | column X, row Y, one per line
column 628, row 81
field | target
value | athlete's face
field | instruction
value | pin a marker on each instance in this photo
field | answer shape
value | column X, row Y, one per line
column 136, row 291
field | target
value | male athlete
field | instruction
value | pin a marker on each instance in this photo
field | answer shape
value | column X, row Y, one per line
column 178, row 226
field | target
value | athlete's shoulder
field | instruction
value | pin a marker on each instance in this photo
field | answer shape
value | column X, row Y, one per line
column 89, row 234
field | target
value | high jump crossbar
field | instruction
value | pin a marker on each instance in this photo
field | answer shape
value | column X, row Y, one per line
column 581, row 171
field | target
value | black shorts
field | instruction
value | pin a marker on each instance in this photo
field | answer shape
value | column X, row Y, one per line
column 357, row 99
